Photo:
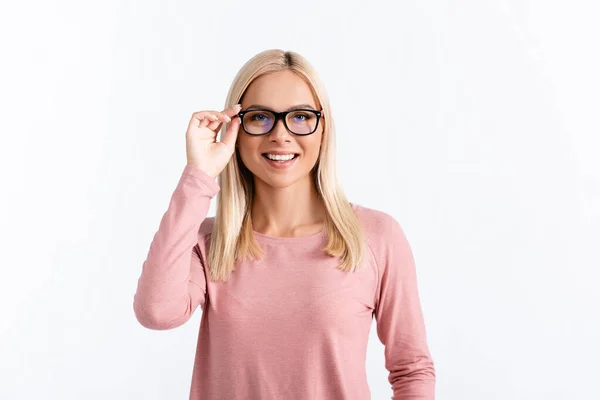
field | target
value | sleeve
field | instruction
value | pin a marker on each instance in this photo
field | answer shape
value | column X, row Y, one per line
column 400, row 322
column 172, row 282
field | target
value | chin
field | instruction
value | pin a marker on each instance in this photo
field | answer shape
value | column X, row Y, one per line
column 280, row 178
column 279, row 181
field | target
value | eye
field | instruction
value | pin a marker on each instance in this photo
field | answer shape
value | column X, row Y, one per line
column 301, row 116
column 258, row 117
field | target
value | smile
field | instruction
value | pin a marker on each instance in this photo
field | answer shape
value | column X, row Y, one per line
column 280, row 161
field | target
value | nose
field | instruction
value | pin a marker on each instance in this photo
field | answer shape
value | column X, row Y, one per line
column 279, row 133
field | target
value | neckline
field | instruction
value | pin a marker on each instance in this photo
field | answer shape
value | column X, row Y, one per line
column 288, row 239
column 319, row 234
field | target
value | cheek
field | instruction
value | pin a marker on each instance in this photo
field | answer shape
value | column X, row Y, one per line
column 313, row 148
column 247, row 151
column 245, row 158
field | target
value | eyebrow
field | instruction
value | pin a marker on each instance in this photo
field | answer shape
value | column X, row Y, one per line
column 296, row 107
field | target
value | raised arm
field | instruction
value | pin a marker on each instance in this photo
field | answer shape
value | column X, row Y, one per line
column 172, row 283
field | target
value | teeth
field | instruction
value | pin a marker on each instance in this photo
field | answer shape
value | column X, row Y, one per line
column 280, row 157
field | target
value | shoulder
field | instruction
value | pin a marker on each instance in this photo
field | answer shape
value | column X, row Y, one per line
column 376, row 224
column 383, row 235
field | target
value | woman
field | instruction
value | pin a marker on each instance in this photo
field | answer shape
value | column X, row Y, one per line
column 289, row 274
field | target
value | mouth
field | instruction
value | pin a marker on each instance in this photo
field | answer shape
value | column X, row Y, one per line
column 296, row 155
column 280, row 163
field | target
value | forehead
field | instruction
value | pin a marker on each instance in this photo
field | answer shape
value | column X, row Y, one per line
column 279, row 90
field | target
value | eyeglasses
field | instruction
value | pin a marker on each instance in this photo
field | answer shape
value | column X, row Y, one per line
column 258, row 122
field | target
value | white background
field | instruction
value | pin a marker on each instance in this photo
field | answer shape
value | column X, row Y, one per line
column 474, row 123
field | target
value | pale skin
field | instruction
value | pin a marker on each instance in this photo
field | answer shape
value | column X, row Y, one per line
column 286, row 203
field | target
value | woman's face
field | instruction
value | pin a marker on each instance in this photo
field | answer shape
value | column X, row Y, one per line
column 280, row 91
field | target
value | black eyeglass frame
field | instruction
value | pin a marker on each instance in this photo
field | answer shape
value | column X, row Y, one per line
column 283, row 116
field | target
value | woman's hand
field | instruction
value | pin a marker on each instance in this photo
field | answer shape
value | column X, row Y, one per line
column 202, row 148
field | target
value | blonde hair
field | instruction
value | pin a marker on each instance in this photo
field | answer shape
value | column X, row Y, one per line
column 232, row 238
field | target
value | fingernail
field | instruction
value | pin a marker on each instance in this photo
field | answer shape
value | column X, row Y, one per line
column 238, row 105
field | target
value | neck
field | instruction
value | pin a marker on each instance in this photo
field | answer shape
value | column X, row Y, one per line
column 293, row 210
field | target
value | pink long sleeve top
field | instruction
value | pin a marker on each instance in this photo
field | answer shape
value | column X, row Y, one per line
column 291, row 326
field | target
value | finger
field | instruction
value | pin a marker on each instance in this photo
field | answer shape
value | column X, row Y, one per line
column 232, row 110
column 203, row 123
column 216, row 119
column 214, row 125
column 231, row 133
column 203, row 119
column 220, row 119
column 208, row 114
column 212, row 119
column 223, row 117
column 197, row 121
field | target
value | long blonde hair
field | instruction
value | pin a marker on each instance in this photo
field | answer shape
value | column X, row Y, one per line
column 232, row 238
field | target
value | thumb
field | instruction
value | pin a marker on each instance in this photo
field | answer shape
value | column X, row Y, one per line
column 232, row 132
